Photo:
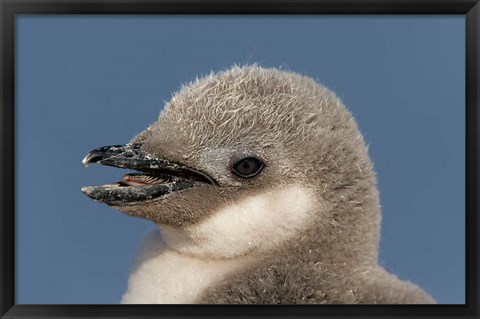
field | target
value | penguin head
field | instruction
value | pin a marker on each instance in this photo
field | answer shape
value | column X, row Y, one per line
column 242, row 161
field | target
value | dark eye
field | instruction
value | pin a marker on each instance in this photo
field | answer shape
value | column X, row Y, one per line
column 247, row 167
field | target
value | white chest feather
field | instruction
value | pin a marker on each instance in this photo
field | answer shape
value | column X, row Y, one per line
column 165, row 276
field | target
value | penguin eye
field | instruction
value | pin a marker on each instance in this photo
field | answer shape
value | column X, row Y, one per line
column 247, row 167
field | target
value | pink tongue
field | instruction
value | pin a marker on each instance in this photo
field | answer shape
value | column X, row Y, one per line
column 140, row 180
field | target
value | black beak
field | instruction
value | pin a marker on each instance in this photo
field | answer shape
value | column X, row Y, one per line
column 154, row 178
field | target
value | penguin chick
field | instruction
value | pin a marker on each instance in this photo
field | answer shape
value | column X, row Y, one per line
column 263, row 192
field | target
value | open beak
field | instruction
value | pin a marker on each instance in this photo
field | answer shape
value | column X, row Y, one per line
column 153, row 177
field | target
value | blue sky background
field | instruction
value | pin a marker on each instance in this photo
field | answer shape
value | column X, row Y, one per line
column 88, row 81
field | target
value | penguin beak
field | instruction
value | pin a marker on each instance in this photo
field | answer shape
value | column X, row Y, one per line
column 154, row 177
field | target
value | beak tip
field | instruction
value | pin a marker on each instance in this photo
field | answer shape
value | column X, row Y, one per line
column 107, row 154
column 88, row 159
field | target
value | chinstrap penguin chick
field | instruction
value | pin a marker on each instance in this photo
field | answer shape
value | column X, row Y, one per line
column 263, row 192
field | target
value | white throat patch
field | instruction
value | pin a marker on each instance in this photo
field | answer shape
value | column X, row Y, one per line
column 254, row 224
column 178, row 266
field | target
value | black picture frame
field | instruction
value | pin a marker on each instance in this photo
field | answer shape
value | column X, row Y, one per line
column 10, row 8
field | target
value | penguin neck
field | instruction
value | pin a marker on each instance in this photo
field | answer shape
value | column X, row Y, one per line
column 352, row 234
column 253, row 226
column 189, row 243
column 345, row 229
column 162, row 275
